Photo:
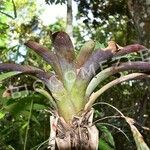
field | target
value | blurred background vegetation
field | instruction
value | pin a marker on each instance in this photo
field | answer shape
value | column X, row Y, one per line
column 125, row 21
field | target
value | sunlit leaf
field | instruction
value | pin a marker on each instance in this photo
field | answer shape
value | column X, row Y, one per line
column 24, row 126
column 2, row 114
column 103, row 145
column 4, row 76
column 99, row 45
column 38, row 106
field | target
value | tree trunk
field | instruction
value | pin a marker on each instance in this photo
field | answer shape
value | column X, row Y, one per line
column 140, row 12
column 69, row 27
column 81, row 134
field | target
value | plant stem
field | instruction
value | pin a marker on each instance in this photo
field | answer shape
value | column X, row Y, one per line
column 27, row 129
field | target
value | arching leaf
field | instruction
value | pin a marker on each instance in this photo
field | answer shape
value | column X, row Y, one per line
column 130, row 49
column 138, row 138
column 25, row 69
column 95, row 95
column 48, row 56
column 138, row 65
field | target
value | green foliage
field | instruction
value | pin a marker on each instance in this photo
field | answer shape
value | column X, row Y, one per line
column 2, row 114
column 55, row 1
column 8, row 75
column 103, row 145
column 14, row 124
column 107, row 136
column 111, row 21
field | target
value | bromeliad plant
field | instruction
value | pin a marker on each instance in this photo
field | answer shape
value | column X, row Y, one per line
column 71, row 86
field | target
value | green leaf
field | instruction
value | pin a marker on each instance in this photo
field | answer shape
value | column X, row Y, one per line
column 47, row 95
column 4, row 76
column 17, row 106
column 2, row 114
column 98, row 93
column 99, row 45
column 138, row 65
column 104, row 146
column 107, row 136
column 24, row 126
column 85, row 52
column 38, row 106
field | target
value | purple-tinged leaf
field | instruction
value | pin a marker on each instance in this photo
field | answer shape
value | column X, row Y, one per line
column 94, row 62
column 87, row 72
column 85, row 53
column 130, row 49
column 17, row 67
column 47, row 55
column 96, row 94
column 42, row 51
column 63, row 46
column 25, row 69
column 138, row 65
column 51, row 81
column 65, row 53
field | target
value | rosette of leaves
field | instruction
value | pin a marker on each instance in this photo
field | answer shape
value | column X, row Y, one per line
column 71, row 86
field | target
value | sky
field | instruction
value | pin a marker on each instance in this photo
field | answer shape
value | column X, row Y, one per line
column 52, row 12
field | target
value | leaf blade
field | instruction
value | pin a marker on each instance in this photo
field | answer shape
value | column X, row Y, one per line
column 48, row 56
column 138, row 65
column 95, row 61
column 25, row 69
column 95, row 95
column 8, row 75
column 63, row 46
column 130, row 49
column 85, row 53
column 138, row 138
